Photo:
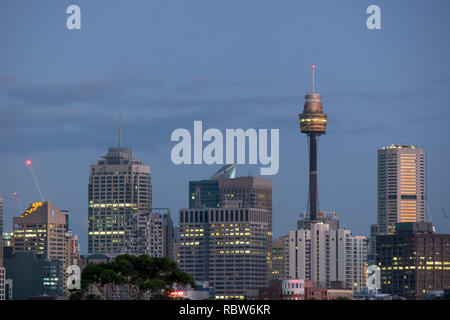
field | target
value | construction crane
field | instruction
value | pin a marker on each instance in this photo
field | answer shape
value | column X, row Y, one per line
column 28, row 164
column 16, row 195
column 445, row 216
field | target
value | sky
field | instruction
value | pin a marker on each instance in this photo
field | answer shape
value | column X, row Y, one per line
column 231, row 64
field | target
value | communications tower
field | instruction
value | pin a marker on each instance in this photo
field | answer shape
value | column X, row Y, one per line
column 313, row 122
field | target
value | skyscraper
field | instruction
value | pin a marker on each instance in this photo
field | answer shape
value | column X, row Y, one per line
column 119, row 185
column 205, row 193
column 401, row 186
column 249, row 192
column 313, row 122
column 225, row 189
column 43, row 229
column 226, row 246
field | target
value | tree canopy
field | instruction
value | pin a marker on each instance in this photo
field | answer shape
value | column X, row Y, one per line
column 131, row 277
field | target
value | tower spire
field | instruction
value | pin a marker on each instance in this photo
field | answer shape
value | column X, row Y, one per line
column 313, row 67
column 120, row 128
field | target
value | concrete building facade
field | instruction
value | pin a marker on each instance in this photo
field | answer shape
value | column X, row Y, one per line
column 150, row 233
column 326, row 255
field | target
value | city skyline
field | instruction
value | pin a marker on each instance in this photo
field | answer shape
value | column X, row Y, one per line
column 64, row 131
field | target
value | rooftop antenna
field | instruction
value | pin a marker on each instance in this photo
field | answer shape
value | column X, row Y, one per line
column 28, row 163
column 313, row 67
column 120, row 128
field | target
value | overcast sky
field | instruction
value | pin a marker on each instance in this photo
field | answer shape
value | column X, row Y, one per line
column 231, row 64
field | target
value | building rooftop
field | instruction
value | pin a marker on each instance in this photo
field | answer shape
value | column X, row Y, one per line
column 400, row 146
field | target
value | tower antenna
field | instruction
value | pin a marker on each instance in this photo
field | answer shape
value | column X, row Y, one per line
column 313, row 67
column 120, row 128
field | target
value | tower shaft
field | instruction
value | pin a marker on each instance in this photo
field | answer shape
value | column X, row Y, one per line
column 313, row 189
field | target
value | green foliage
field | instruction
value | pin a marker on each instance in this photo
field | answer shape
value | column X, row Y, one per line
column 132, row 277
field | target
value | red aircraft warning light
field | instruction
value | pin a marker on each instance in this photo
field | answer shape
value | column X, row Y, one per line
column 28, row 163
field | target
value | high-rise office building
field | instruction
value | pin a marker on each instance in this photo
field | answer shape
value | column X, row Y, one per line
column 401, row 186
column 225, row 189
column 44, row 229
column 313, row 122
column 280, row 258
column 150, row 233
column 226, row 246
column 327, row 255
column 41, row 229
column 414, row 260
column 249, row 192
column 119, row 186
column 205, row 193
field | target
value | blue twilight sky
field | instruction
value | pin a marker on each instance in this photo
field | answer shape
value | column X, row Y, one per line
column 232, row 64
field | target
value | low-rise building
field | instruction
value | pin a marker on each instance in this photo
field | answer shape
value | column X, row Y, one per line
column 336, row 294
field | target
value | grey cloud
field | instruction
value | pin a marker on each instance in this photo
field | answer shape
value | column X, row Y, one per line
column 7, row 79
column 91, row 90
column 202, row 83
